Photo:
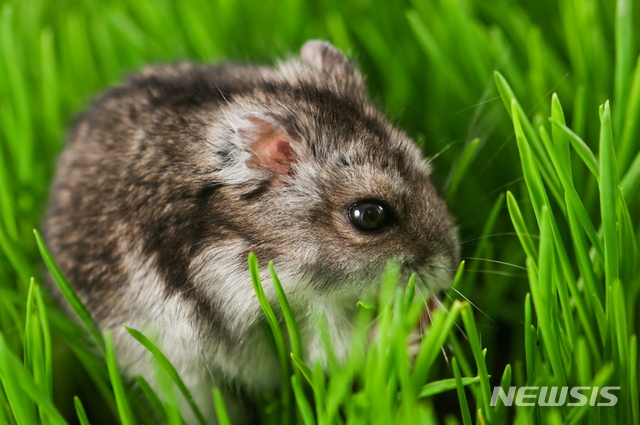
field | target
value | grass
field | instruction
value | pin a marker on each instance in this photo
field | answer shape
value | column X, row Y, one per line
column 530, row 111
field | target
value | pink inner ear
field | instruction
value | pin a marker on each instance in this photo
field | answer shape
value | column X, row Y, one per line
column 273, row 151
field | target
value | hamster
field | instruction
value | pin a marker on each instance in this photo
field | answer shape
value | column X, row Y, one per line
column 170, row 180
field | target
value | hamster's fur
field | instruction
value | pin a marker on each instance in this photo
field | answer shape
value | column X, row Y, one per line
column 168, row 181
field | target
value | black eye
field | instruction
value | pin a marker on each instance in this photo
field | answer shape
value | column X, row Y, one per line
column 369, row 216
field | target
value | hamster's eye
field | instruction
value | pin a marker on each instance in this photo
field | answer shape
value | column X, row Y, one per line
column 369, row 216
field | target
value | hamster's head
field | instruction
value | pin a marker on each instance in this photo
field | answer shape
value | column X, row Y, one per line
column 326, row 187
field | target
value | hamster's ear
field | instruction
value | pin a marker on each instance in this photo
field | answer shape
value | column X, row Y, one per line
column 269, row 146
column 322, row 56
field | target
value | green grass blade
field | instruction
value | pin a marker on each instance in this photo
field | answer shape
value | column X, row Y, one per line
column 82, row 415
column 4, row 404
column 11, row 311
column 126, row 417
column 19, row 404
column 151, row 395
column 277, row 336
column 559, row 154
column 410, row 292
column 466, row 157
column 629, row 137
column 620, row 319
column 303, row 403
column 599, row 380
column 379, row 50
column 623, row 60
column 530, row 168
column 628, row 247
column 33, row 347
column 584, row 368
column 521, row 228
column 539, row 200
column 69, row 294
column 631, row 180
column 462, row 398
column 431, row 49
column 430, row 346
column 28, row 334
column 166, row 365
column 582, row 255
column 304, row 369
column 608, row 196
column 453, row 289
column 292, row 327
column 221, row 410
column 529, row 331
column 476, row 348
column 444, row 385
column 633, row 379
column 579, row 111
column 560, row 141
column 526, row 128
column 7, row 207
column 99, row 376
column 483, row 245
column 50, row 89
column 547, row 296
column 19, row 385
column 338, row 32
column 505, row 383
column 22, row 150
column 13, row 252
column 581, row 148
column 46, row 335
column 319, row 393
column 601, row 318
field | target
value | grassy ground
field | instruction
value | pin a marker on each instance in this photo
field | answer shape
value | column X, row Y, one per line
column 531, row 111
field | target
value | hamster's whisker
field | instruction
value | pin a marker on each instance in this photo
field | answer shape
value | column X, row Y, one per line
column 498, row 234
column 479, row 108
column 500, row 273
column 475, row 306
column 441, row 306
column 494, row 272
column 433, row 296
column 542, row 99
column 490, row 195
column 440, row 303
column 445, row 268
column 444, row 354
column 472, row 106
column 504, row 186
column 427, row 310
column 495, row 155
column 443, row 150
column 496, row 261
column 464, row 334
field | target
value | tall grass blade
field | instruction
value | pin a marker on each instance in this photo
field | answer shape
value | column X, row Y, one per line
column 166, row 365
column 69, row 294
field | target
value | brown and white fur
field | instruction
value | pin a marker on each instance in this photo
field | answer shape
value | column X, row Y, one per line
column 169, row 181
